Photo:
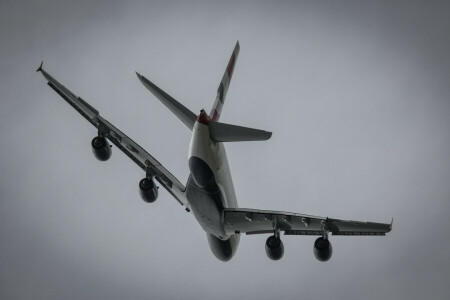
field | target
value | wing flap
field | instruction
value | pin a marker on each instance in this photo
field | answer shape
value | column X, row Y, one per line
column 254, row 221
column 87, row 111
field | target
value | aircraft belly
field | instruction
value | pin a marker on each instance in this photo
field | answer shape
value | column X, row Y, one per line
column 224, row 179
column 206, row 205
column 209, row 188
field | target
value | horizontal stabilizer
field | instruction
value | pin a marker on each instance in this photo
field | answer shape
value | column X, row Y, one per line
column 183, row 113
column 221, row 132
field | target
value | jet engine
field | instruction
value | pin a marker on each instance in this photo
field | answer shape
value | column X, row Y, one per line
column 323, row 249
column 101, row 148
column 148, row 190
column 274, row 248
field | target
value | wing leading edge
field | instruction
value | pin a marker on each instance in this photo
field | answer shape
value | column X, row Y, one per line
column 138, row 154
column 253, row 221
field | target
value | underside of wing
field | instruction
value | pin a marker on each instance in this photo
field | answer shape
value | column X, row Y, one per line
column 252, row 221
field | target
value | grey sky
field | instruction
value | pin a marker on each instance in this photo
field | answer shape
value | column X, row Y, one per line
column 356, row 94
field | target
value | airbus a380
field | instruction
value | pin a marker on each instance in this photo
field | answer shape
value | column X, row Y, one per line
column 209, row 193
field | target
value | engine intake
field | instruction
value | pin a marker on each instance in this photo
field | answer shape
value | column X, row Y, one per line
column 148, row 190
column 274, row 248
column 101, row 148
column 323, row 249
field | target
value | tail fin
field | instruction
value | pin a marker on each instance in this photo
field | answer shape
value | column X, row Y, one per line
column 224, row 84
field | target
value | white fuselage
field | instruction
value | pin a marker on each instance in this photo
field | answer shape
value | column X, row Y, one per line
column 210, row 189
column 214, row 155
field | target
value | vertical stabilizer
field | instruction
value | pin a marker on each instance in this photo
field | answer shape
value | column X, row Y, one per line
column 224, row 84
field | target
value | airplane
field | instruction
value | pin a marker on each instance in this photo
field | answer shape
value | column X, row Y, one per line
column 209, row 193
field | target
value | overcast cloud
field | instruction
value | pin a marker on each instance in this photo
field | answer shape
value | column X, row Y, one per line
column 356, row 94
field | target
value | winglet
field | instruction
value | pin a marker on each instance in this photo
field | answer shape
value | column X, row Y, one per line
column 40, row 67
column 392, row 222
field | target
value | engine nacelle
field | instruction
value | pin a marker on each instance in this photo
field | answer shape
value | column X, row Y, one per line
column 323, row 249
column 274, row 248
column 101, row 148
column 148, row 190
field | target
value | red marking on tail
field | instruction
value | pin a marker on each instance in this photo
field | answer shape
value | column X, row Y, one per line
column 230, row 66
column 214, row 116
column 203, row 118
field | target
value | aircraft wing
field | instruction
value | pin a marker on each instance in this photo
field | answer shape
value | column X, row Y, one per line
column 141, row 157
column 253, row 221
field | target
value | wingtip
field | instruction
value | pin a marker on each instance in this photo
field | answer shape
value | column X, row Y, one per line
column 40, row 67
column 390, row 226
column 139, row 76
